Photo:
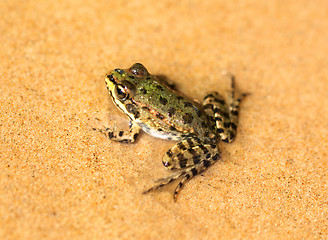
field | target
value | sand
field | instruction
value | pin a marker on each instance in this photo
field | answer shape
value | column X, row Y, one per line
column 61, row 180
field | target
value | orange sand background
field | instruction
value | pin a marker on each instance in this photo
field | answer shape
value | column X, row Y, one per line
column 60, row 180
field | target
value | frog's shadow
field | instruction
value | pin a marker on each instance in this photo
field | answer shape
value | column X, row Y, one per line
column 167, row 81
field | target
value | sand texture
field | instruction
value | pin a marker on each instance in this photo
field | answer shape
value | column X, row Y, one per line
column 61, row 180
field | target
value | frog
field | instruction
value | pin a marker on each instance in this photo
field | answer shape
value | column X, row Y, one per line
column 157, row 108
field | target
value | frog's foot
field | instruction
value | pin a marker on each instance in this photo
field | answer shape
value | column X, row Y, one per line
column 121, row 136
column 165, row 181
column 192, row 157
column 234, row 108
column 225, row 116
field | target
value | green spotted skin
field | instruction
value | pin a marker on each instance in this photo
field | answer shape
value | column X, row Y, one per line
column 155, row 107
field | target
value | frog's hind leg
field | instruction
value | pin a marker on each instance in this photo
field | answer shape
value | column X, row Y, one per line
column 122, row 136
column 225, row 115
column 234, row 109
column 216, row 109
column 191, row 157
column 165, row 181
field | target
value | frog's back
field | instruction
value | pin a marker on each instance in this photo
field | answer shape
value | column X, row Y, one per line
column 169, row 112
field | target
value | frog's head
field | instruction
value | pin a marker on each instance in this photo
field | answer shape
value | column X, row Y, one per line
column 122, row 84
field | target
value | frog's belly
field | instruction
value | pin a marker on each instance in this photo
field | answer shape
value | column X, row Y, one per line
column 176, row 136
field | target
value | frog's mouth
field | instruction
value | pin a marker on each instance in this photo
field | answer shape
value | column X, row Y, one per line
column 110, row 82
column 113, row 88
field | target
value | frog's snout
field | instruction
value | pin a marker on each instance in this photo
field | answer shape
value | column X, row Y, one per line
column 120, row 71
column 111, row 78
column 110, row 82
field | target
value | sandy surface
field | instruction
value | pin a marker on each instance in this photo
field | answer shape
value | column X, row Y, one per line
column 61, row 180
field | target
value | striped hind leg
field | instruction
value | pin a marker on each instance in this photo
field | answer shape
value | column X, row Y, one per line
column 191, row 157
column 225, row 115
column 216, row 108
column 197, row 169
column 233, row 109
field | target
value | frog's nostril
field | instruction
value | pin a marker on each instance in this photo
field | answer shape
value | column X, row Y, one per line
column 120, row 71
column 111, row 78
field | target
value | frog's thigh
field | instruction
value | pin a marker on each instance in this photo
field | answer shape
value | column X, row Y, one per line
column 187, row 153
column 122, row 136
column 191, row 155
column 215, row 106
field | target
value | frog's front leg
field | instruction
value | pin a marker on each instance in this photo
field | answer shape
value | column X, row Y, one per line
column 192, row 157
column 122, row 136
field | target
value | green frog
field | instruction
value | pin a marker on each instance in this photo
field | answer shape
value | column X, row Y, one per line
column 158, row 109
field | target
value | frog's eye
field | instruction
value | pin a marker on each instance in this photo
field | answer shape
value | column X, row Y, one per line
column 121, row 92
column 139, row 70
